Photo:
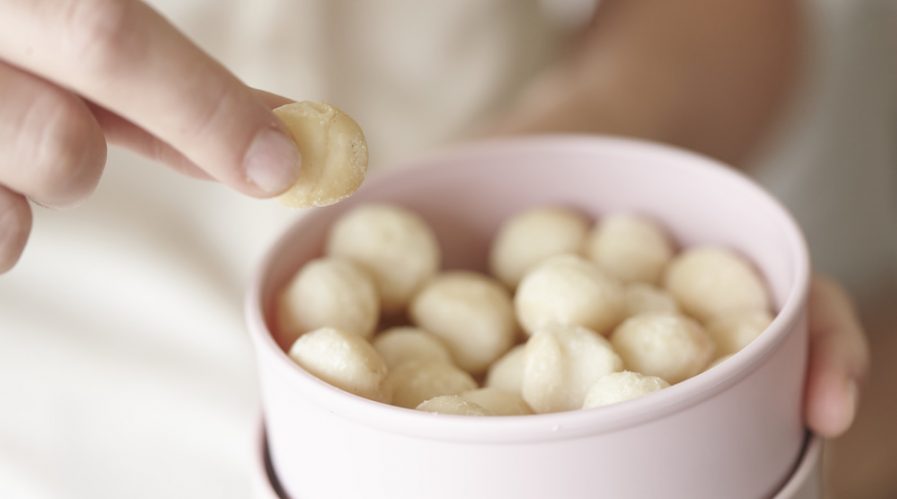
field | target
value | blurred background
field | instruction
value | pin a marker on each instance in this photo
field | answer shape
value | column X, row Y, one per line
column 125, row 370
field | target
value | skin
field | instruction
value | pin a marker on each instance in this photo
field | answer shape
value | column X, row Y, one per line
column 702, row 74
column 78, row 74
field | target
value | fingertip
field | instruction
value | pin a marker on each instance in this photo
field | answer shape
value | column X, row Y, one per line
column 271, row 163
column 832, row 407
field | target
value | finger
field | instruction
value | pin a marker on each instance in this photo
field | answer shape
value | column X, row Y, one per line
column 15, row 225
column 126, row 58
column 51, row 148
column 271, row 100
column 122, row 132
column 839, row 359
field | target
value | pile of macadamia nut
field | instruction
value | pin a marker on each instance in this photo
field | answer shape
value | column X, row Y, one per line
column 575, row 315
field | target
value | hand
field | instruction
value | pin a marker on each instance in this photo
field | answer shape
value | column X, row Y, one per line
column 839, row 359
column 75, row 74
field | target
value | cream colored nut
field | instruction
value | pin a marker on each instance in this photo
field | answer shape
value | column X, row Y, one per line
column 329, row 292
column 644, row 298
column 401, row 344
column 334, row 153
column 471, row 313
column 394, row 245
column 669, row 346
column 710, row 282
column 498, row 402
column 345, row 360
column 733, row 332
column 630, row 248
column 561, row 363
column 412, row 382
column 570, row 290
column 452, row 404
column 531, row 237
column 620, row 387
column 506, row 373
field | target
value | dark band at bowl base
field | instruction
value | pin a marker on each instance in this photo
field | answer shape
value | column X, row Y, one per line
column 271, row 483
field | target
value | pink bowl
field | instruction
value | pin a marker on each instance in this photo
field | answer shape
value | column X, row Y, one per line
column 735, row 431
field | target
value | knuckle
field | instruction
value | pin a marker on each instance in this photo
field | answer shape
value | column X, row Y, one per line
column 102, row 31
column 219, row 101
column 71, row 156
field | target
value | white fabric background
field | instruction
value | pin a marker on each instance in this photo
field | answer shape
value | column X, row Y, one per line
column 124, row 366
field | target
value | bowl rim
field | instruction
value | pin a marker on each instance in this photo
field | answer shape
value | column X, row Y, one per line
column 552, row 426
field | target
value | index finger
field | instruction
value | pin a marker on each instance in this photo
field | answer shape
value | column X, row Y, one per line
column 127, row 58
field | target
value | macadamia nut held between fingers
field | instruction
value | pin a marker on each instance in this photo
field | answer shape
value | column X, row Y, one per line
column 334, row 153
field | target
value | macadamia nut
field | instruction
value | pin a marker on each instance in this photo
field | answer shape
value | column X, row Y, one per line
column 471, row 313
column 507, row 372
column 669, row 346
column 529, row 238
column 334, row 153
column 630, row 248
column 394, row 245
column 620, row 387
column 454, row 405
column 383, row 260
column 412, row 382
column 329, row 292
column 569, row 290
column 498, row 402
column 400, row 344
column 345, row 360
column 711, row 282
column 561, row 364
column 643, row 298
column 733, row 332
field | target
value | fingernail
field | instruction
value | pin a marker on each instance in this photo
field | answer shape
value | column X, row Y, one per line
column 272, row 161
